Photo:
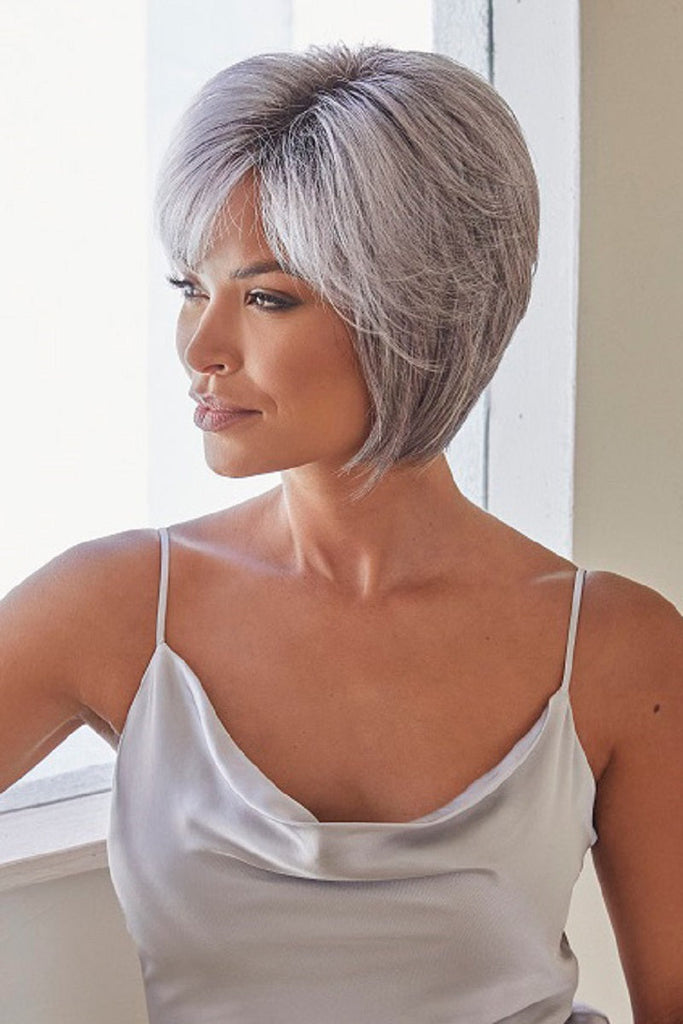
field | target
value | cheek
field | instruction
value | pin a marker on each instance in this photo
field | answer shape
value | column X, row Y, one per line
column 321, row 386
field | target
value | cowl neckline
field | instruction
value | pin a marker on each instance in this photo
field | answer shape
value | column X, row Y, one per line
column 255, row 788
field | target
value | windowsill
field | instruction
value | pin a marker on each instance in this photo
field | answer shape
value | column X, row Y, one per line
column 62, row 831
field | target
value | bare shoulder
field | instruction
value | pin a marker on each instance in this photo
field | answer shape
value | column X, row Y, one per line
column 637, row 650
column 118, row 632
column 108, row 572
column 639, row 656
column 239, row 529
column 57, row 628
column 76, row 596
column 113, row 581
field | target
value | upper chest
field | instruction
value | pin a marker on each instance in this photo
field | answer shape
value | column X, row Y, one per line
column 378, row 713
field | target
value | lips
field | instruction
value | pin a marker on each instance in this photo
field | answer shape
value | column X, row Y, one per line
column 220, row 405
column 219, row 419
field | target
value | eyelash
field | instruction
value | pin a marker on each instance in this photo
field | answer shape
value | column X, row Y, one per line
column 276, row 303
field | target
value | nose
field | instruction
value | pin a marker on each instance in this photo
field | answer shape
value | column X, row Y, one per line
column 194, row 367
column 206, row 348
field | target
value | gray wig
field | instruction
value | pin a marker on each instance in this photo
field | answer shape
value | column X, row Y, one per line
column 397, row 184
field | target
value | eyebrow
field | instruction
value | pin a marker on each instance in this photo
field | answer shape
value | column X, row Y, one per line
column 262, row 267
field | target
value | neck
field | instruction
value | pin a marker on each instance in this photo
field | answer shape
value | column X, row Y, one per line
column 406, row 532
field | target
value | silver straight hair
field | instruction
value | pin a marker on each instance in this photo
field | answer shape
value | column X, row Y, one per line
column 398, row 185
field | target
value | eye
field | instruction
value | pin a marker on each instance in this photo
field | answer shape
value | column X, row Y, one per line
column 184, row 285
column 260, row 299
column 263, row 300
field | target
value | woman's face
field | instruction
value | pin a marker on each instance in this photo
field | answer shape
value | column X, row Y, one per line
column 267, row 342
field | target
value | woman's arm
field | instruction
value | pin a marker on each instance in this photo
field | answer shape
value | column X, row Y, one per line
column 39, row 623
column 61, row 631
column 639, row 804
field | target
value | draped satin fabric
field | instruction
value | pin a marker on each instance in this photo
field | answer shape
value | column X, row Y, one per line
column 245, row 908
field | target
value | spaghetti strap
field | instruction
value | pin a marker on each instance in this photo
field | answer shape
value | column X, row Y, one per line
column 579, row 578
column 163, row 585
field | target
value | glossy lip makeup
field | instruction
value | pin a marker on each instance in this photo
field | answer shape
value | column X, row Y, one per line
column 219, row 419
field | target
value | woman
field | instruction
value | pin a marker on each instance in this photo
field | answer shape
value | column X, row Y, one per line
column 353, row 781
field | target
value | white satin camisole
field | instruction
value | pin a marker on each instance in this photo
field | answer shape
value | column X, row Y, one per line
column 245, row 909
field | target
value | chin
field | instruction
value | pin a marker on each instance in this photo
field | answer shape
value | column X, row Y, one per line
column 236, row 469
column 239, row 465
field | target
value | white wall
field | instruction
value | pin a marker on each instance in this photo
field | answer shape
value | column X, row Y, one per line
column 73, row 316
